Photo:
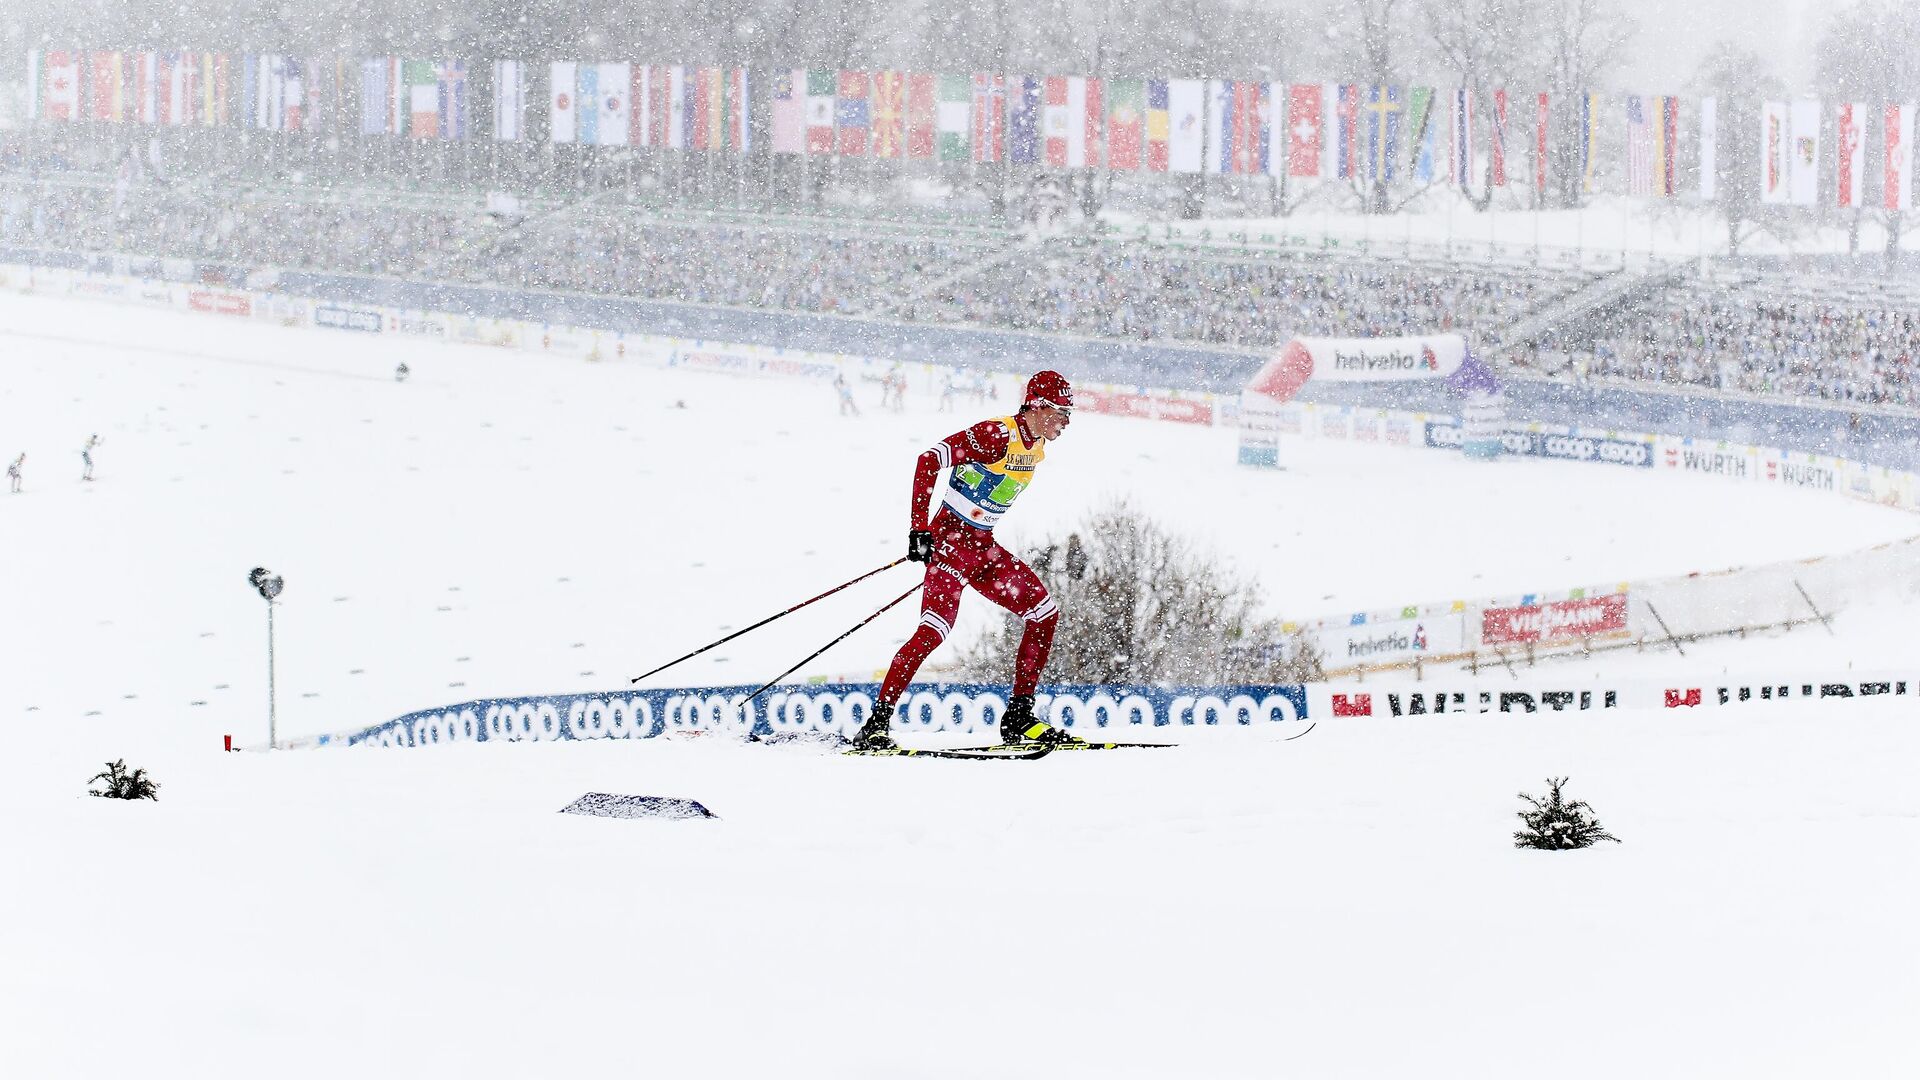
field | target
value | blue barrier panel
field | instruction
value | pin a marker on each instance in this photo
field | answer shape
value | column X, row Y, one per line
column 963, row 708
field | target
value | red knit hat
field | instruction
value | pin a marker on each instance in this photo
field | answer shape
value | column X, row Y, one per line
column 1049, row 388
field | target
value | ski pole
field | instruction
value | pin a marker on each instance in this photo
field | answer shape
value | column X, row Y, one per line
column 769, row 619
column 749, row 698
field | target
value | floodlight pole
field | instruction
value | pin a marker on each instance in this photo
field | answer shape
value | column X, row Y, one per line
column 272, row 741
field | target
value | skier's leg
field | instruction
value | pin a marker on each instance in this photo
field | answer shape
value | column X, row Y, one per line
column 1013, row 585
column 939, row 603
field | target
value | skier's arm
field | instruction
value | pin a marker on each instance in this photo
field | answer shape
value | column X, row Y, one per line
column 983, row 442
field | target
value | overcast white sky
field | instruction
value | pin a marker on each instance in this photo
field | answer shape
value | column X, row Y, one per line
column 1675, row 35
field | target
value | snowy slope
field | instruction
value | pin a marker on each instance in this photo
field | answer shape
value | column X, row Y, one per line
column 1344, row 905
column 512, row 524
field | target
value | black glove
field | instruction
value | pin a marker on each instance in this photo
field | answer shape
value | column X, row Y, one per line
column 920, row 545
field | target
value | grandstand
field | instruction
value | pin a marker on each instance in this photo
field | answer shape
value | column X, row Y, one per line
column 1141, row 308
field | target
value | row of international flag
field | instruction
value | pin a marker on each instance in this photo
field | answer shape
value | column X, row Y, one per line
column 1361, row 133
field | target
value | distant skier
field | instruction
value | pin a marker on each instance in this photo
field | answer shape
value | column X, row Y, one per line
column 992, row 462
column 86, row 457
column 845, row 392
column 400, row 373
column 946, row 394
column 13, row 472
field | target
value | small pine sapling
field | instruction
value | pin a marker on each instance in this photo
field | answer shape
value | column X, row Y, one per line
column 122, row 784
column 1557, row 825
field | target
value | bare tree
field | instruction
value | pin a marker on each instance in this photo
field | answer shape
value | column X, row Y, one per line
column 1739, row 81
column 1870, row 53
column 1583, row 41
column 1488, row 44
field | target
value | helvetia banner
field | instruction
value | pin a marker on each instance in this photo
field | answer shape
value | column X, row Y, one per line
column 1397, row 359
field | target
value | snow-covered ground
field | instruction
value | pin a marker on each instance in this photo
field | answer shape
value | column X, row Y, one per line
column 1346, row 904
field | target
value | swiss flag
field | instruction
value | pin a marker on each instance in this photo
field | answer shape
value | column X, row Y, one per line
column 1303, row 130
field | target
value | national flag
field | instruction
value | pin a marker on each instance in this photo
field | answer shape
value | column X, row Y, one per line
column 788, row 129
column 1420, row 127
column 417, row 99
column 1158, row 126
column 1804, row 176
column 1644, row 149
column 264, row 89
column 63, row 85
column 1126, row 115
column 36, row 86
column 249, row 89
column 989, row 117
column 1186, row 125
column 709, row 109
column 922, row 123
column 1236, row 133
column 613, row 99
column 820, row 107
column 889, row 114
column 852, row 113
column 1460, row 137
column 1670, row 127
column 1497, row 145
column 1589, row 139
column 509, row 100
column 107, row 85
column 1066, row 121
column 178, row 86
column 1023, row 121
column 145, row 105
column 1347, row 100
column 953, row 118
column 1094, row 108
column 1896, row 179
column 293, row 95
column 586, row 104
column 1849, row 136
column 1383, row 132
column 1775, row 152
column 563, row 87
column 1540, row 143
column 714, row 115
column 220, row 89
column 1709, row 146
column 376, row 95
column 667, row 108
column 1305, row 129
column 739, row 111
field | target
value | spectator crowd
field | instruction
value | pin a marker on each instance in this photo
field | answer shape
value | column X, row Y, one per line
column 1701, row 335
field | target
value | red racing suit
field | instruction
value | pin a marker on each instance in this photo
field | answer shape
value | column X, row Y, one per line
column 991, row 463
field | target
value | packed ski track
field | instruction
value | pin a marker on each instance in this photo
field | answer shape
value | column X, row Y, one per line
column 1347, row 904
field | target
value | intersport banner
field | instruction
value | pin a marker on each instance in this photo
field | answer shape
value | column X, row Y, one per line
column 1397, row 359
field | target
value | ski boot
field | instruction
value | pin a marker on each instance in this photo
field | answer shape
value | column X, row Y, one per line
column 1019, row 725
column 873, row 735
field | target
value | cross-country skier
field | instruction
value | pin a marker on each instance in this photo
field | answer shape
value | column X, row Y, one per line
column 992, row 462
column 86, row 457
column 845, row 392
column 13, row 472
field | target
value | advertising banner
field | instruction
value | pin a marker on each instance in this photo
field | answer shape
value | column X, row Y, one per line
column 1562, row 620
column 333, row 317
column 1147, row 406
column 1396, row 359
column 219, row 302
column 1118, row 711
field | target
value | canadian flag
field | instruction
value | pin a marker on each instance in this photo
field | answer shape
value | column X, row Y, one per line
column 1896, row 184
column 63, row 85
column 1851, row 148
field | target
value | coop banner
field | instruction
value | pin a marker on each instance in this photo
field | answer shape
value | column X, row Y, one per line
column 839, row 708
